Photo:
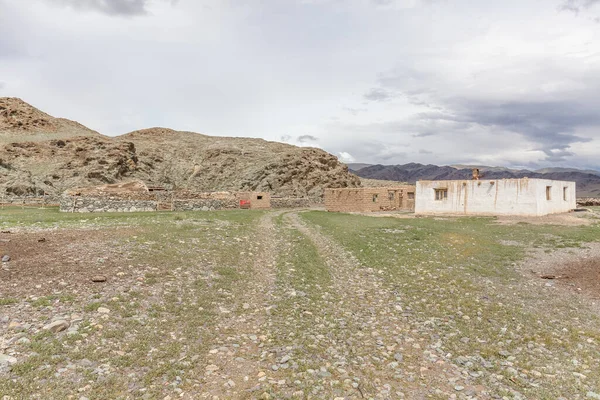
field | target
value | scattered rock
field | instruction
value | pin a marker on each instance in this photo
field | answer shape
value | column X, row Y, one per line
column 15, row 326
column 103, row 310
column 98, row 278
column 6, row 361
column 6, row 258
column 284, row 359
column 57, row 326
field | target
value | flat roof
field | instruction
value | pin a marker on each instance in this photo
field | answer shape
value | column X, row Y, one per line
column 494, row 180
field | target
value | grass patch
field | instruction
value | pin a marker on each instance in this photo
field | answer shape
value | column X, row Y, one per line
column 457, row 275
column 7, row 301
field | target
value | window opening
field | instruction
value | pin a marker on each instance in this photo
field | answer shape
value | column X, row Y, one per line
column 441, row 194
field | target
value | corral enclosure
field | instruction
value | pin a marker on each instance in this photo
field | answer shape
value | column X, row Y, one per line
column 135, row 196
column 370, row 199
column 526, row 197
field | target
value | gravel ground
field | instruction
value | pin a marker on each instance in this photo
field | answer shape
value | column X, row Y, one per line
column 273, row 305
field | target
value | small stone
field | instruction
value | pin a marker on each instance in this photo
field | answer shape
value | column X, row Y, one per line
column 274, row 367
column 593, row 395
column 103, row 310
column 284, row 359
column 98, row 278
column 398, row 357
column 15, row 326
column 459, row 388
column 230, row 383
column 57, row 326
column 6, row 360
column 6, row 258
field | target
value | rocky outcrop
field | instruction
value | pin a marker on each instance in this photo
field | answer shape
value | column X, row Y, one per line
column 42, row 154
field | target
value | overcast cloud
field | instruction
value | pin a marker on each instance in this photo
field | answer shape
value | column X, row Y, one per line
column 511, row 83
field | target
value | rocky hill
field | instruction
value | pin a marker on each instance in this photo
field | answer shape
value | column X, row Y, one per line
column 588, row 184
column 40, row 153
column 20, row 121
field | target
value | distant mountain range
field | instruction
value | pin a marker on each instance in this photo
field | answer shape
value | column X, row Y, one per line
column 588, row 181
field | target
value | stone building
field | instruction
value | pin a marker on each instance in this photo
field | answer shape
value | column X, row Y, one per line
column 526, row 197
column 370, row 199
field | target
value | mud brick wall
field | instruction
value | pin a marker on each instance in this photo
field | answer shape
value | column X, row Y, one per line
column 370, row 199
column 258, row 200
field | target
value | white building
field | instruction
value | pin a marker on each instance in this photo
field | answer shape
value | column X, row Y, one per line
column 529, row 197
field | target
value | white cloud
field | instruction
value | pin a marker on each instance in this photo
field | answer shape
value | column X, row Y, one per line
column 346, row 157
column 385, row 81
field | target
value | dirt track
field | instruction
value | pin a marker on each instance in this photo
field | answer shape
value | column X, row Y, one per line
column 271, row 307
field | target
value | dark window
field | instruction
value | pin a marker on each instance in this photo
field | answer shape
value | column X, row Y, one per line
column 258, row 197
column 441, row 194
column 411, row 195
column 565, row 193
column 391, row 195
column 374, row 198
column 548, row 192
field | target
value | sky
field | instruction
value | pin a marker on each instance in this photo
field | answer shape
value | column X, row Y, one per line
column 512, row 83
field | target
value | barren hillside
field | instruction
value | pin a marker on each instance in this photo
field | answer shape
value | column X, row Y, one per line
column 40, row 153
column 19, row 121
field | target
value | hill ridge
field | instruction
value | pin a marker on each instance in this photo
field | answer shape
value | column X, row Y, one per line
column 58, row 154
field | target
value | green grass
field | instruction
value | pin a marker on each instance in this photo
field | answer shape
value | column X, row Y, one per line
column 195, row 262
column 6, row 301
column 446, row 269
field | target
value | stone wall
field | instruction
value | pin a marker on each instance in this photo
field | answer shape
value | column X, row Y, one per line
column 290, row 202
column 588, row 201
column 30, row 200
column 180, row 201
column 105, row 204
column 205, row 204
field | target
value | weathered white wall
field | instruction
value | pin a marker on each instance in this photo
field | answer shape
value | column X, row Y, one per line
column 556, row 204
column 494, row 197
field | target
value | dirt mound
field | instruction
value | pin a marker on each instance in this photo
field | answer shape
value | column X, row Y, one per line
column 43, row 154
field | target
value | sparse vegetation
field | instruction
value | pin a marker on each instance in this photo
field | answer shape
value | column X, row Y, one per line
column 242, row 303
